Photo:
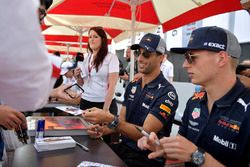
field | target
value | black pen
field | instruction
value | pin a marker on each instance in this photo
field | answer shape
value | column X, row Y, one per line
column 82, row 146
column 157, row 142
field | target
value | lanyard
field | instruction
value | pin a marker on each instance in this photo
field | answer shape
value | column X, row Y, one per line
column 90, row 65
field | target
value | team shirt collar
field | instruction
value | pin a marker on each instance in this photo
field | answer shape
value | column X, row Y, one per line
column 230, row 97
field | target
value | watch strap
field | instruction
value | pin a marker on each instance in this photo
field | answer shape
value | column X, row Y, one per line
column 114, row 124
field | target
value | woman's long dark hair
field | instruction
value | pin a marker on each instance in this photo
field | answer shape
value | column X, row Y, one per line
column 102, row 53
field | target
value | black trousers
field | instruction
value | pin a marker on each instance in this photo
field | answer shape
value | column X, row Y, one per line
column 84, row 104
column 135, row 158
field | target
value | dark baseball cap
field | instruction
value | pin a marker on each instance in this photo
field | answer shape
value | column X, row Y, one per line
column 152, row 43
column 213, row 39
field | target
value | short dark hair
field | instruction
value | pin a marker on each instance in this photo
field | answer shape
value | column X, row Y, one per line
column 57, row 53
column 79, row 56
column 46, row 3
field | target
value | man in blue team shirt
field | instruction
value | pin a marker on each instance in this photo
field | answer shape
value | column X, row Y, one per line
column 215, row 128
column 149, row 103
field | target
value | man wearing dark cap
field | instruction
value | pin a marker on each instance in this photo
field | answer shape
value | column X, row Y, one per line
column 215, row 126
column 149, row 103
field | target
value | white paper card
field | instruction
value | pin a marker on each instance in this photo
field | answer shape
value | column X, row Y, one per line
column 70, row 109
column 88, row 163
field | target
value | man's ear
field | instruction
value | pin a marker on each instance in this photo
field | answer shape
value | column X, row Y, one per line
column 162, row 57
column 223, row 58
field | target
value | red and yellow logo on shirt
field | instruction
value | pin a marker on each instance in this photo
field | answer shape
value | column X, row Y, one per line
column 165, row 108
column 198, row 95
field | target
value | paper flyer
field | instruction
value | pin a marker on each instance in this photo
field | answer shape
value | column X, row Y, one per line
column 88, row 164
column 70, row 109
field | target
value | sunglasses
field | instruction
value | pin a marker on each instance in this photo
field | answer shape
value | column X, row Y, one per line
column 190, row 57
column 146, row 54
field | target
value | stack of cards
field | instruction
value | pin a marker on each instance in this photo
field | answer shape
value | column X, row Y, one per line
column 54, row 143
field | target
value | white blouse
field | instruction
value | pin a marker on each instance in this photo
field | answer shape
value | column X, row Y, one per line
column 96, row 83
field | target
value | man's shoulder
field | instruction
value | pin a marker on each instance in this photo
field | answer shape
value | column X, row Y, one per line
column 162, row 82
column 196, row 99
column 165, row 90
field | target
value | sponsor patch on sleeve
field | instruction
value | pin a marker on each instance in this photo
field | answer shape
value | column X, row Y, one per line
column 165, row 108
column 163, row 114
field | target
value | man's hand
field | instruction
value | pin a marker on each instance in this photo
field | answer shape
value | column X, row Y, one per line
column 137, row 76
column 95, row 131
column 245, row 80
column 11, row 119
column 97, row 116
column 124, row 77
column 145, row 143
column 59, row 92
column 178, row 147
column 174, row 147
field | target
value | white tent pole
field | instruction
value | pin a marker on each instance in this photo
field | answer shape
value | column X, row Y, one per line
column 81, row 32
column 67, row 44
column 132, row 58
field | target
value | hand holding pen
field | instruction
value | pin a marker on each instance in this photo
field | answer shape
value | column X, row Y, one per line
column 140, row 129
column 150, row 142
column 95, row 131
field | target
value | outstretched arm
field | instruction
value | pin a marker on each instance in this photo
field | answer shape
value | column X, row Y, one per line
column 98, row 116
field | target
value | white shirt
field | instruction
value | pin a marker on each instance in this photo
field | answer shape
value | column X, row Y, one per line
column 25, row 69
column 96, row 83
column 167, row 69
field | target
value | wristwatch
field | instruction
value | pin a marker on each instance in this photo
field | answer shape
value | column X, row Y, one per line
column 114, row 124
column 198, row 157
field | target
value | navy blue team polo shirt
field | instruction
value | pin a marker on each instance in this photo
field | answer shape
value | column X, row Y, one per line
column 158, row 98
column 225, row 132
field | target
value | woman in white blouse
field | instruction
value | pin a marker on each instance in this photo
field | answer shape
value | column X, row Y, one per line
column 99, row 73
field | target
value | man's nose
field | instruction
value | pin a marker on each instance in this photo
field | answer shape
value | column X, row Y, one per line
column 140, row 57
column 185, row 64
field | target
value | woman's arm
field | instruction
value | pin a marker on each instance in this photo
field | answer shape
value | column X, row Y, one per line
column 112, row 80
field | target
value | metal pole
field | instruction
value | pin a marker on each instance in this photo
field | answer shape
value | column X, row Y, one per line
column 81, row 32
column 68, row 45
column 132, row 58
